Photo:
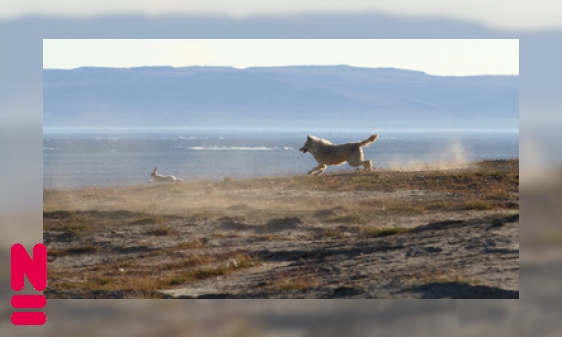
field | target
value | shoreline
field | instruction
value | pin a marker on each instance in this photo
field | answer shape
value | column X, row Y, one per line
column 398, row 167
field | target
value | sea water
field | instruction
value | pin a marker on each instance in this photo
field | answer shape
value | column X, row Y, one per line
column 75, row 158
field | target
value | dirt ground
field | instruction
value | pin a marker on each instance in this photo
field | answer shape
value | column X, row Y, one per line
column 407, row 233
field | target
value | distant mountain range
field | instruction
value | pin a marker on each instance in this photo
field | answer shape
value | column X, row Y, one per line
column 277, row 97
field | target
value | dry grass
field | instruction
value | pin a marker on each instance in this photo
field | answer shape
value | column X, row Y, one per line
column 128, row 275
column 265, row 237
column 228, row 264
column 160, row 231
column 66, row 227
column 480, row 205
column 346, row 219
column 199, row 243
column 403, row 206
column 448, row 278
column 331, row 233
column 451, row 279
column 82, row 249
column 291, row 283
column 194, row 275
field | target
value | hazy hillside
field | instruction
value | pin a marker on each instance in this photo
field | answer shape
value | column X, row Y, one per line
column 277, row 97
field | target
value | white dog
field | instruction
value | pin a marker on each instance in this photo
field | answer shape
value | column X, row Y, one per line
column 327, row 153
column 164, row 179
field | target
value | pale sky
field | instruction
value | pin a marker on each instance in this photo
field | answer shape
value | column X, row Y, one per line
column 436, row 57
column 502, row 14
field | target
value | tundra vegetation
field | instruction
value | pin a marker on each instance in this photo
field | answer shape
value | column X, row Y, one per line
column 388, row 233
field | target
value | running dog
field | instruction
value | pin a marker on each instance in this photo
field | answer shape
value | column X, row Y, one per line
column 163, row 179
column 327, row 153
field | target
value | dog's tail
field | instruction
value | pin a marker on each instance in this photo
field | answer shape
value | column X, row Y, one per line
column 369, row 140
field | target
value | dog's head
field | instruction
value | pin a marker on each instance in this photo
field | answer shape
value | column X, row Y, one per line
column 306, row 147
column 153, row 173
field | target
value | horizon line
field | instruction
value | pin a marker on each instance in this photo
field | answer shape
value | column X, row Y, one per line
column 281, row 66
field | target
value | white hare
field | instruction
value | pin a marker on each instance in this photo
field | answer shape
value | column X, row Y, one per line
column 164, row 179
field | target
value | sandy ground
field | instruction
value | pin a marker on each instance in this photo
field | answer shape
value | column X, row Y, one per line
column 446, row 233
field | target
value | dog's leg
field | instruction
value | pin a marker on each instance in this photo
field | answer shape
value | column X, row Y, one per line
column 367, row 166
column 312, row 170
column 356, row 161
column 320, row 168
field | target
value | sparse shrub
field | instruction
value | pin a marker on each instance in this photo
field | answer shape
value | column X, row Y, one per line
column 402, row 206
column 103, row 281
column 66, row 227
column 207, row 272
column 263, row 237
column 149, row 219
column 346, row 218
column 480, row 205
column 193, row 275
column 191, row 245
column 177, row 280
column 439, row 205
column 450, row 279
column 160, row 231
column 54, row 252
column 292, row 283
column 331, row 233
column 382, row 232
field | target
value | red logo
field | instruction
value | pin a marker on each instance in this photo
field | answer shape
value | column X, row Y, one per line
column 36, row 271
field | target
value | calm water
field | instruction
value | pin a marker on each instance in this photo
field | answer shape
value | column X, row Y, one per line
column 121, row 158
